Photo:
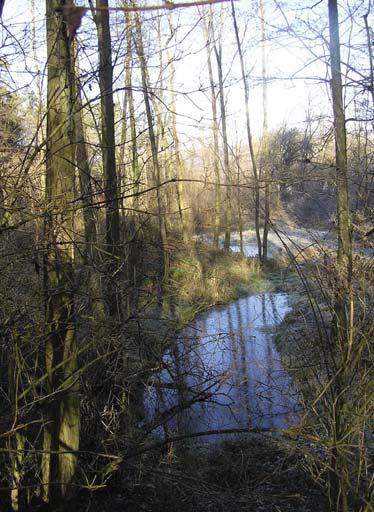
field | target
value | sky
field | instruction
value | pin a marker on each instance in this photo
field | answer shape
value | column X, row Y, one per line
column 296, row 66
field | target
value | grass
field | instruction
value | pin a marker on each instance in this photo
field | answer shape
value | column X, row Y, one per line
column 204, row 277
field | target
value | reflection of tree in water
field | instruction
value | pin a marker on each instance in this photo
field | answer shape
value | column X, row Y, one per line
column 224, row 370
column 240, row 350
column 269, row 358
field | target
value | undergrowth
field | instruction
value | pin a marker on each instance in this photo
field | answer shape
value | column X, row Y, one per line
column 261, row 474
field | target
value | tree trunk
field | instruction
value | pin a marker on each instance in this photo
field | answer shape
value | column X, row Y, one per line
column 343, row 294
column 265, row 142
column 163, row 255
column 226, row 162
column 135, row 170
column 215, row 130
column 61, row 433
column 179, row 168
column 249, row 134
column 108, row 152
column 133, row 181
column 91, row 256
column 16, row 443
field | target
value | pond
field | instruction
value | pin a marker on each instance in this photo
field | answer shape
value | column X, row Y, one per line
column 224, row 372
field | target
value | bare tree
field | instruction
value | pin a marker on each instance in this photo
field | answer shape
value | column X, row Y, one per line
column 218, row 51
column 343, row 318
column 163, row 255
column 215, row 131
column 249, row 133
column 108, row 151
column 265, row 170
column 61, row 432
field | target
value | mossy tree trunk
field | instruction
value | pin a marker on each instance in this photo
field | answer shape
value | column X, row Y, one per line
column 61, row 431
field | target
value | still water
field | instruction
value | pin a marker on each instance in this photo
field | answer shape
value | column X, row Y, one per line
column 225, row 372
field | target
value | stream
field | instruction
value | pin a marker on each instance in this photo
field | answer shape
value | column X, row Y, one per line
column 224, row 372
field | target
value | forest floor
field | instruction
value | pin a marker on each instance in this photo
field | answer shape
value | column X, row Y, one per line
column 259, row 474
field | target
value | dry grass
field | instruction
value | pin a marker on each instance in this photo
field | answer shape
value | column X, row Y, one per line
column 204, row 277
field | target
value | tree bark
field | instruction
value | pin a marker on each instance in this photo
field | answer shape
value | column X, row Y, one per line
column 343, row 294
column 108, row 152
column 61, row 432
column 91, row 256
column 344, row 258
column 135, row 170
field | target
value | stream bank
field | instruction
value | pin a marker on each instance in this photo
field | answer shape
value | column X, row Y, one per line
column 254, row 473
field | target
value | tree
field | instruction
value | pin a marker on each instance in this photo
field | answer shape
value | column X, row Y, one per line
column 129, row 115
column 343, row 318
column 178, row 163
column 91, row 256
column 61, row 431
column 218, row 51
column 266, row 173
column 163, row 255
column 215, row 132
column 108, row 152
column 249, row 133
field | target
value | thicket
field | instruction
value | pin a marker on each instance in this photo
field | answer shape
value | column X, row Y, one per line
column 103, row 204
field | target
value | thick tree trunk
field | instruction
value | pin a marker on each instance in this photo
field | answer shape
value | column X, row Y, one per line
column 344, row 258
column 61, row 434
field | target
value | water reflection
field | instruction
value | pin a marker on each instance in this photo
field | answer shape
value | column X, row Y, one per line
column 225, row 371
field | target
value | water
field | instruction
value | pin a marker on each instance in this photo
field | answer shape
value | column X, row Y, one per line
column 225, row 372
column 294, row 238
